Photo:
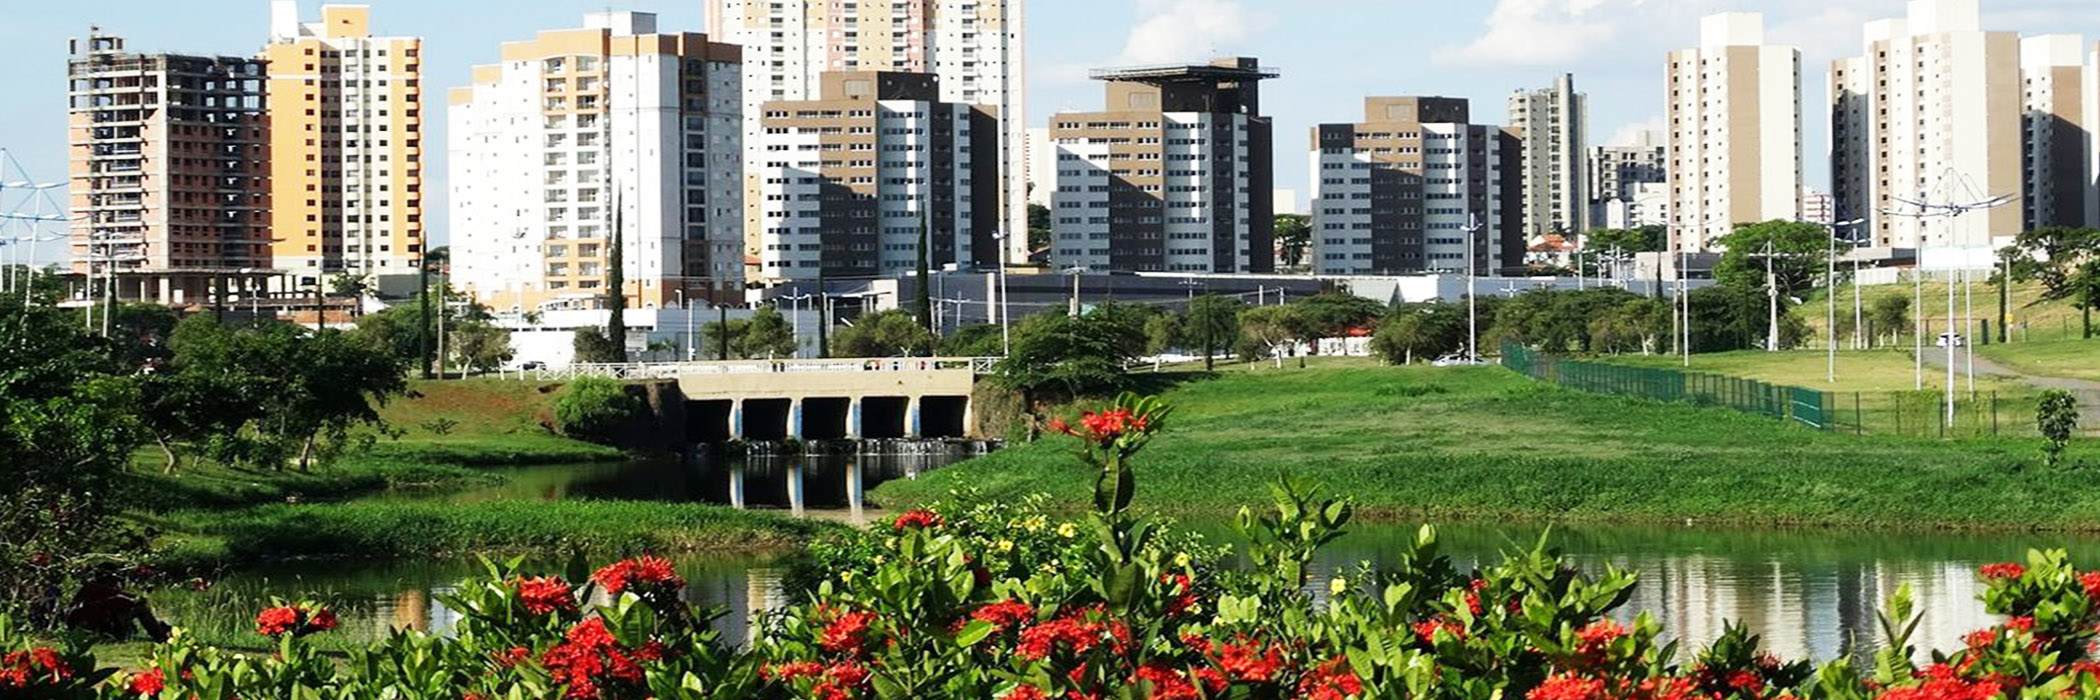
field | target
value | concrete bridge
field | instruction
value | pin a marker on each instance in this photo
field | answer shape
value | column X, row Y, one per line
column 876, row 398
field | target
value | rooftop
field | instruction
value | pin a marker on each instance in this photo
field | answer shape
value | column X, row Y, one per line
column 1182, row 73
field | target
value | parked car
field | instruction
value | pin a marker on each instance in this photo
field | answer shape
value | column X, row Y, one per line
column 1951, row 340
column 531, row 364
column 1455, row 360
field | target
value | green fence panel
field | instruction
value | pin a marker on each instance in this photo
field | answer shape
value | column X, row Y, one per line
column 1807, row 406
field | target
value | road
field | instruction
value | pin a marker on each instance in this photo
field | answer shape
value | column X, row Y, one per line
column 2088, row 392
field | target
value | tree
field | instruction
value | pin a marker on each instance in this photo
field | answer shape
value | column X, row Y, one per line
column 1800, row 249
column 1266, row 330
column 892, row 333
column 616, row 288
column 1212, row 323
column 593, row 347
column 483, row 346
column 767, row 335
column 1333, row 315
column 2067, row 263
column 725, row 337
column 1889, row 314
column 922, row 284
column 1056, row 356
column 355, row 286
column 1294, row 236
column 594, row 409
column 1163, row 332
column 1645, row 239
column 979, row 340
column 1126, row 322
column 1637, row 325
column 1038, row 227
column 1420, row 330
column 2057, row 417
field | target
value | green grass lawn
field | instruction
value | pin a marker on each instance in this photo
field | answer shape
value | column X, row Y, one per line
column 1863, row 370
column 2032, row 318
column 2070, row 359
column 1486, row 443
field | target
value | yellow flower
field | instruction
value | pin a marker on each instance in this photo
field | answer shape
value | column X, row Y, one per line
column 1035, row 523
column 1005, row 546
column 1067, row 530
column 1182, row 560
column 846, row 576
column 1338, row 586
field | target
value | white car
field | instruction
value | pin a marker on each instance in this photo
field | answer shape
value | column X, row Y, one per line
column 1951, row 340
column 1455, row 360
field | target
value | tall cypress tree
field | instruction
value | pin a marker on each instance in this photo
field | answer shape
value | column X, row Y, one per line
column 616, row 284
column 925, row 292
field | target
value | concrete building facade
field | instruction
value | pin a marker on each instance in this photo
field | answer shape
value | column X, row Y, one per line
column 1932, row 111
column 2058, row 127
column 850, row 182
column 581, row 138
column 170, row 183
column 1734, row 120
column 1625, row 181
column 1398, row 191
column 1173, row 175
column 346, row 138
column 975, row 47
column 1553, row 124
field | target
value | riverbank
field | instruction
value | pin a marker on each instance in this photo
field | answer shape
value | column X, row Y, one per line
column 1483, row 443
column 450, row 436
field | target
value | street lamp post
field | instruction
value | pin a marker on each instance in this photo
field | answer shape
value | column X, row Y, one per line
column 1830, row 284
column 689, row 330
column 1472, row 226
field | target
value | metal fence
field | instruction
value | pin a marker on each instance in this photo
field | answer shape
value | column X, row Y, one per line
column 1920, row 414
column 1806, row 406
column 674, row 370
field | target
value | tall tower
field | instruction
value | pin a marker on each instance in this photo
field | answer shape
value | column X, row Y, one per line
column 170, row 188
column 2059, row 131
column 1735, row 131
column 1554, row 125
column 1173, row 175
column 1932, row 110
column 346, row 139
column 577, row 122
column 975, row 48
column 1397, row 191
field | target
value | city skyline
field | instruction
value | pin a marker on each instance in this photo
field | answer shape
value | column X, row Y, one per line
column 1513, row 44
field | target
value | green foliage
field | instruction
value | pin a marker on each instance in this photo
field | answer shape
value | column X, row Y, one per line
column 767, row 335
column 304, row 392
column 1646, row 239
column 2057, row 417
column 980, row 340
column 1211, row 324
column 1294, row 236
column 1038, row 227
column 2066, row 261
column 592, row 346
column 892, row 333
column 1420, row 331
column 480, row 346
column 1564, row 321
column 1164, row 332
column 1265, row 330
column 1056, row 356
column 1800, row 250
column 1889, row 314
column 1333, row 315
column 595, row 409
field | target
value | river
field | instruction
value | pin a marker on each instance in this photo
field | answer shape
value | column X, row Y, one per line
column 1812, row 594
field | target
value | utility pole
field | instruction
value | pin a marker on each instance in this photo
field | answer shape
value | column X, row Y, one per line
column 722, row 337
column 1951, row 212
column 423, row 318
column 1472, row 226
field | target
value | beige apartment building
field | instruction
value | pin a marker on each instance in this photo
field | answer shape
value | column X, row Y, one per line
column 1398, row 191
column 170, row 185
column 2059, row 122
column 346, row 139
column 975, row 48
column 1734, row 124
column 1554, row 125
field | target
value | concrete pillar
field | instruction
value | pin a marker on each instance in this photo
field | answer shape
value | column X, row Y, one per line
column 736, row 419
column 912, row 420
column 794, row 427
column 736, row 485
column 794, row 486
column 970, row 417
column 167, row 293
column 856, row 489
column 853, row 418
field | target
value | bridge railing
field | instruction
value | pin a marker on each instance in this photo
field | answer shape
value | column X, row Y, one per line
column 674, row 370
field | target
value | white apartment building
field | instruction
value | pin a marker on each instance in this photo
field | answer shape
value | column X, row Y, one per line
column 2059, row 119
column 1932, row 111
column 1629, row 182
column 850, row 183
column 346, row 137
column 1554, row 126
column 583, row 137
column 1398, row 191
column 974, row 47
column 1734, row 108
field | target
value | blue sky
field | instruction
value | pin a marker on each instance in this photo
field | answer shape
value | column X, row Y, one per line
column 1332, row 52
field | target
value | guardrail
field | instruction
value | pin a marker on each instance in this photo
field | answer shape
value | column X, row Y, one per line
column 674, row 370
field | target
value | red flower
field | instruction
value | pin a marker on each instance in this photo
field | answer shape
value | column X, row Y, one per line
column 513, row 656
column 2006, row 570
column 588, row 658
column 1004, row 615
column 2022, row 623
column 1331, row 681
column 1212, row 680
column 321, row 620
column 1074, row 631
column 1567, row 688
column 294, row 620
column 1980, row 638
column 1248, row 661
column 1167, row 684
column 2091, row 581
column 1748, row 682
column 647, row 573
column 1024, row 691
column 917, row 520
column 847, row 633
column 149, row 683
column 1427, row 629
column 544, row 595
column 18, row 668
column 1595, row 641
column 791, row 671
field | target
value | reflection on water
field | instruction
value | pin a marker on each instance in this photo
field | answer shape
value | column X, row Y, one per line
column 1811, row 594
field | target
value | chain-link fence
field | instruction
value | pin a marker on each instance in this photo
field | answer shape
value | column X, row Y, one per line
column 1908, row 413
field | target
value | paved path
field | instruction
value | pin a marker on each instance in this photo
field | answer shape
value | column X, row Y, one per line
column 2088, row 392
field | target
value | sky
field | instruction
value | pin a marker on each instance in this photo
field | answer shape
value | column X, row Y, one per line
column 1331, row 53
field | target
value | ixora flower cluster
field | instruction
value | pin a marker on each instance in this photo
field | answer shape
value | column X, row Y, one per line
column 970, row 600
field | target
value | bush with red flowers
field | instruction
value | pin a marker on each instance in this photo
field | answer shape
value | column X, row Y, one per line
column 294, row 619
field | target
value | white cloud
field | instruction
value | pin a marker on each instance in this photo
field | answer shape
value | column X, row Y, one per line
column 1179, row 31
column 1630, row 134
column 1543, row 32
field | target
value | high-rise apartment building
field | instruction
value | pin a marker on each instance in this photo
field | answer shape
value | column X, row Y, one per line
column 851, row 182
column 2059, row 130
column 1734, row 111
column 1398, row 191
column 1173, row 175
column 170, row 184
column 1614, row 170
column 582, row 139
column 1932, row 111
column 346, row 144
column 1553, row 123
column 975, row 48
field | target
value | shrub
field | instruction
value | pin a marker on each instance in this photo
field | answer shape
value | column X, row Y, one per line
column 594, row 409
column 2057, row 417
